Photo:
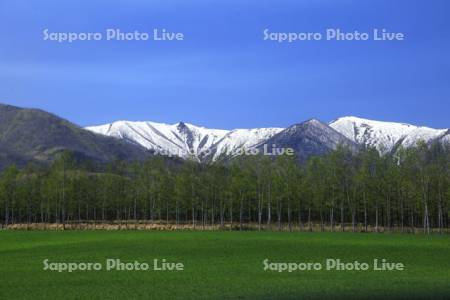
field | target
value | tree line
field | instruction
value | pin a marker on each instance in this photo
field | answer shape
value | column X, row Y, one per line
column 342, row 191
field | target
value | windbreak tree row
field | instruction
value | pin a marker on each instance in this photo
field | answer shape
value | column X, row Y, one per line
column 363, row 191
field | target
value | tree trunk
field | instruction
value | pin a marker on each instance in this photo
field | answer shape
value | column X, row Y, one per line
column 365, row 211
column 193, row 215
column 300, row 222
column 309, row 219
column 231, row 215
column 203, row 214
column 332, row 218
column 222, row 213
column 279, row 213
column 241, row 210
column 388, row 212
column 402, row 215
column 440, row 214
column 289, row 215
column 269, row 206
column 177, row 213
column 322, row 226
column 376, row 217
column 260, row 201
column 426, row 215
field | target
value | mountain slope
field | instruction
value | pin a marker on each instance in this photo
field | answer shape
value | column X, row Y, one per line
column 238, row 139
column 35, row 135
column 309, row 138
column 386, row 136
column 186, row 140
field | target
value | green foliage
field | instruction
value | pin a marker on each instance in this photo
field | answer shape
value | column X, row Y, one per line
column 365, row 190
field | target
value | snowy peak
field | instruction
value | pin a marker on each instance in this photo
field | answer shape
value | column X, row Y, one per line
column 314, row 123
column 385, row 136
column 185, row 140
column 309, row 138
column 189, row 141
column 241, row 139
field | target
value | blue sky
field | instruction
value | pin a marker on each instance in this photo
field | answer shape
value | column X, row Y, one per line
column 223, row 74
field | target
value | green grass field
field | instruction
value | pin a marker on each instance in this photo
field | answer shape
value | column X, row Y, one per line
column 222, row 265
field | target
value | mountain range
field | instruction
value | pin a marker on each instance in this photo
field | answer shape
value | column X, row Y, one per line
column 186, row 140
column 33, row 135
column 311, row 137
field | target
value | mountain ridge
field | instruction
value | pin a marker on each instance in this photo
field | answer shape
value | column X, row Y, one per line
column 386, row 136
column 215, row 143
column 34, row 135
column 310, row 138
column 184, row 139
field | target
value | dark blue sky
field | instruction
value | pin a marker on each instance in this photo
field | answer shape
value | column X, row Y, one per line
column 223, row 74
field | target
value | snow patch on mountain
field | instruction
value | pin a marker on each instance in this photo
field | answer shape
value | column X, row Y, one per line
column 242, row 139
column 186, row 140
column 385, row 136
column 203, row 144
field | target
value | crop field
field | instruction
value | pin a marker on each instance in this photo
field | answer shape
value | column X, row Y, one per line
column 222, row 265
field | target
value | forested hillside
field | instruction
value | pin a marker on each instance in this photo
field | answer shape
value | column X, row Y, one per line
column 33, row 135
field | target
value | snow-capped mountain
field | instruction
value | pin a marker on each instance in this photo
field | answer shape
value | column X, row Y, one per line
column 186, row 140
column 311, row 137
column 386, row 136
